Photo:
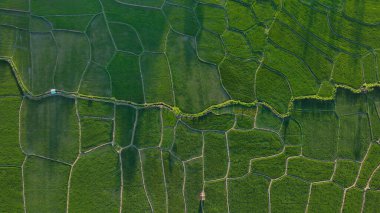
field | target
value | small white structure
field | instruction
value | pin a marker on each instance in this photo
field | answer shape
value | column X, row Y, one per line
column 202, row 196
column 53, row 91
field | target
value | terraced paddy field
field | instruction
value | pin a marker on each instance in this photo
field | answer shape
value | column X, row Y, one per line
column 189, row 106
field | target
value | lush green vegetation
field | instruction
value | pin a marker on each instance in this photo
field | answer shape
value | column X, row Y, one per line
column 265, row 106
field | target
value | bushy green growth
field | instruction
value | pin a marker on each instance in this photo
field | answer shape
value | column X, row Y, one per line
column 68, row 7
column 193, row 183
column 38, row 24
column 102, row 47
column 181, row 19
column 372, row 200
column 10, row 152
column 212, row 18
column 273, row 88
column 291, row 131
column 325, row 197
column 346, row 172
column 239, row 16
column 373, row 112
column 353, row 200
column 289, row 195
column 301, row 79
column 11, row 196
column 154, row 178
column 244, row 122
column 347, row 71
column 369, row 68
column 369, row 163
column 266, row 119
column 124, row 70
column 50, row 128
column 215, row 156
column 355, row 136
column 174, row 182
column 169, row 121
column 257, row 38
column 248, row 194
column 211, row 121
column 319, row 128
column 126, row 37
column 96, row 81
column 148, row 127
column 95, row 182
column 238, row 77
column 43, row 57
column 326, row 90
column 246, row 145
column 348, row 102
column 187, row 142
column 134, row 196
column 45, row 185
column 310, row 170
column 8, row 85
column 196, row 84
column 236, row 44
column 210, row 47
column 75, row 23
column 95, row 132
column 364, row 11
column 95, row 108
column 375, row 180
column 157, row 78
column 216, row 196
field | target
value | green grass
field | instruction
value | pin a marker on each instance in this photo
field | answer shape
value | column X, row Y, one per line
column 211, row 121
column 148, row 128
column 266, row 119
column 249, row 194
column 102, row 47
column 365, row 11
column 238, row 78
column 291, row 131
column 7, row 35
column 14, row 19
column 124, row 70
column 375, row 181
column 157, row 78
column 96, row 81
column 326, row 89
column 289, row 195
column 15, row 4
column 134, row 197
column 372, row 200
column 11, row 199
column 10, row 152
column 368, row 165
column 215, row 156
column 196, row 85
column 126, row 37
column 325, row 197
column 216, row 196
column 346, row 172
column 95, row 108
column 210, row 47
column 347, row 71
column 350, row 103
column 369, row 69
column 95, row 182
column 181, row 19
column 193, row 184
column 310, row 170
column 76, row 23
column 43, row 57
column 50, row 128
column 125, row 120
column 45, row 185
column 21, row 57
column 38, row 24
column 246, row 145
column 154, row 178
column 211, row 18
column 239, row 16
column 257, row 38
column 95, row 132
column 236, row 44
column 69, row 7
column 353, row 200
column 73, row 52
column 149, row 3
column 174, row 181
column 187, row 142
